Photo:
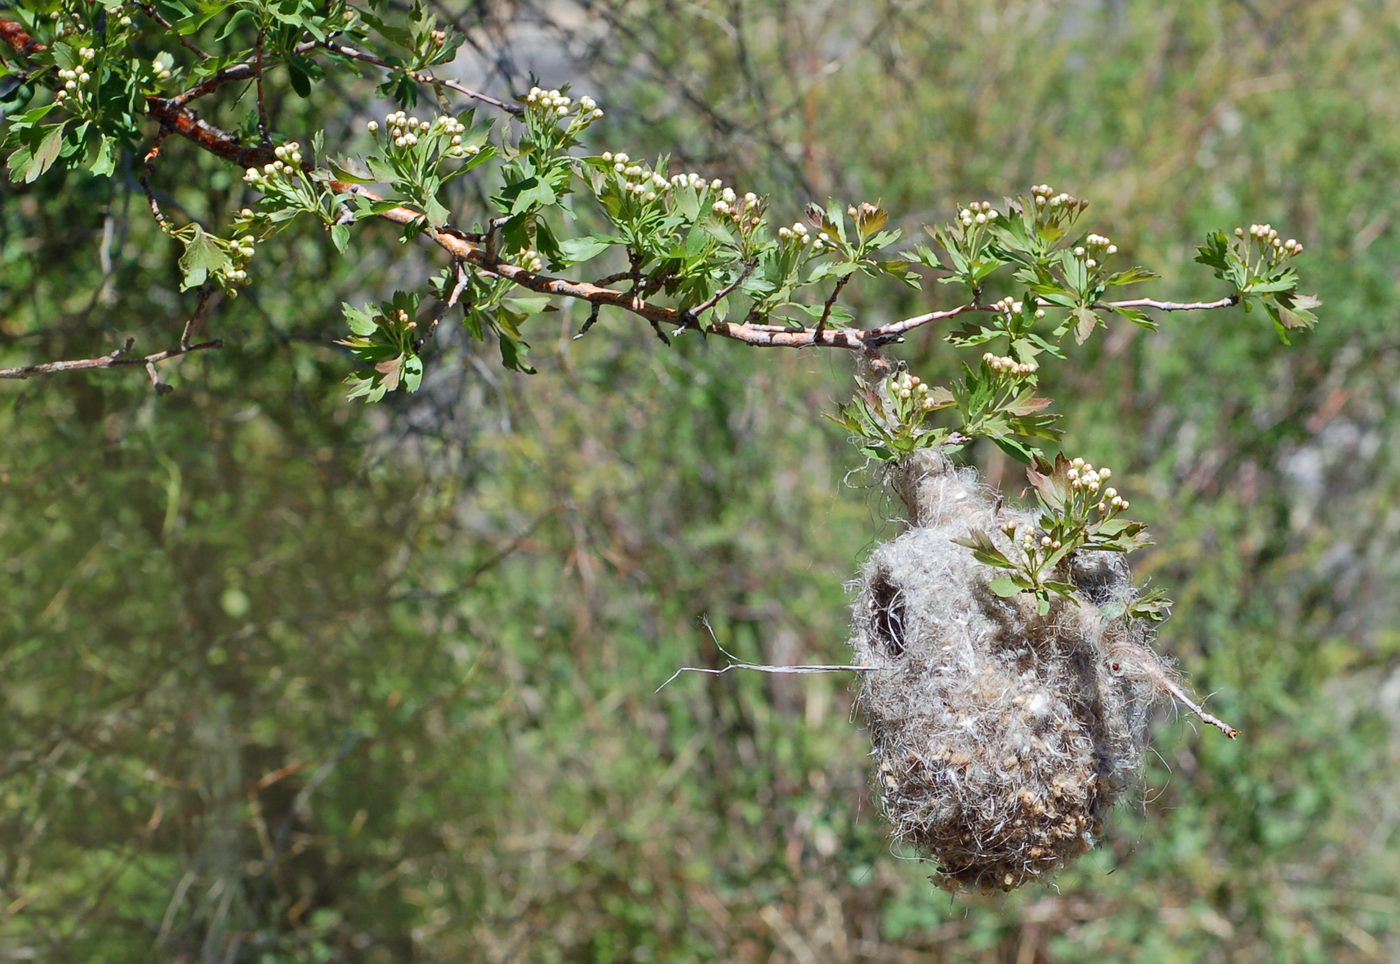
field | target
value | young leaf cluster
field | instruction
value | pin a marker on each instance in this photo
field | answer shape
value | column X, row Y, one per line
column 384, row 337
column 1256, row 264
column 1077, row 513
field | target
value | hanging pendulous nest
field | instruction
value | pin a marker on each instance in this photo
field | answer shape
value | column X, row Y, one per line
column 1002, row 737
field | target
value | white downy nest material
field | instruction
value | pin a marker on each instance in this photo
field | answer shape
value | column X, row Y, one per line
column 1001, row 737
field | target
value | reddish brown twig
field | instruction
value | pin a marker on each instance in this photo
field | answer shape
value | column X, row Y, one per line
column 148, row 167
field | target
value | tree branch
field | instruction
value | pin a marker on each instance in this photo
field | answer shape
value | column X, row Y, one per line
column 113, row 359
column 180, row 119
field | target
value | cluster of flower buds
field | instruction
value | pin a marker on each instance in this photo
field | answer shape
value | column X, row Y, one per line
column 73, row 25
column 691, row 179
column 637, row 179
column 1266, row 235
column 746, row 211
column 1045, row 196
column 798, row 233
column 240, row 253
column 1008, row 365
column 290, row 153
column 1083, row 475
column 403, row 129
column 73, row 80
column 1095, row 246
column 439, row 37
column 911, row 388
column 978, row 212
column 454, row 129
column 530, row 260
column 402, row 319
column 288, row 159
column 1028, row 541
column 1112, row 501
column 562, row 105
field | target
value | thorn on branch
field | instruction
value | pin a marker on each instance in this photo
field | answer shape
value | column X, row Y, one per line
column 589, row 322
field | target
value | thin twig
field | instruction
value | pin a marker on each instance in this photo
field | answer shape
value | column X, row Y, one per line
column 1214, row 721
column 113, row 359
column 206, row 294
column 724, row 292
column 588, row 322
column 147, row 169
column 422, row 76
column 1229, row 302
column 462, row 279
column 185, row 42
column 737, row 663
column 262, row 100
column 830, row 303
column 763, row 668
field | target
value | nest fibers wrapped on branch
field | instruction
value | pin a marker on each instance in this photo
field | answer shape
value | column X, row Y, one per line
column 1001, row 737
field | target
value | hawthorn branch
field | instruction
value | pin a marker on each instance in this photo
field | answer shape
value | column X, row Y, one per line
column 174, row 114
column 114, row 359
column 1229, row 302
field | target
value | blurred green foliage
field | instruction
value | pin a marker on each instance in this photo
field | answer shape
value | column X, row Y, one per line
column 288, row 680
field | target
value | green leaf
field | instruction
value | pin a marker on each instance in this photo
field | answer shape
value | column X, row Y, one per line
column 984, row 550
column 532, row 305
column 513, row 353
column 1085, row 323
column 202, row 256
column 579, row 250
column 361, row 321
column 351, row 175
column 412, row 373
column 42, row 158
column 1131, row 276
column 1004, row 586
column 1214, row 253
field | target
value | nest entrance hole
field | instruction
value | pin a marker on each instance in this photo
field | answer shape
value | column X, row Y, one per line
column 888, row 616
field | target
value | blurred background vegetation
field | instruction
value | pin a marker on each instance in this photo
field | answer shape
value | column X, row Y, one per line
column 285, row 678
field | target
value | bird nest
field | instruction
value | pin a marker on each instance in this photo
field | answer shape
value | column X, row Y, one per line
column 1002, row 736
